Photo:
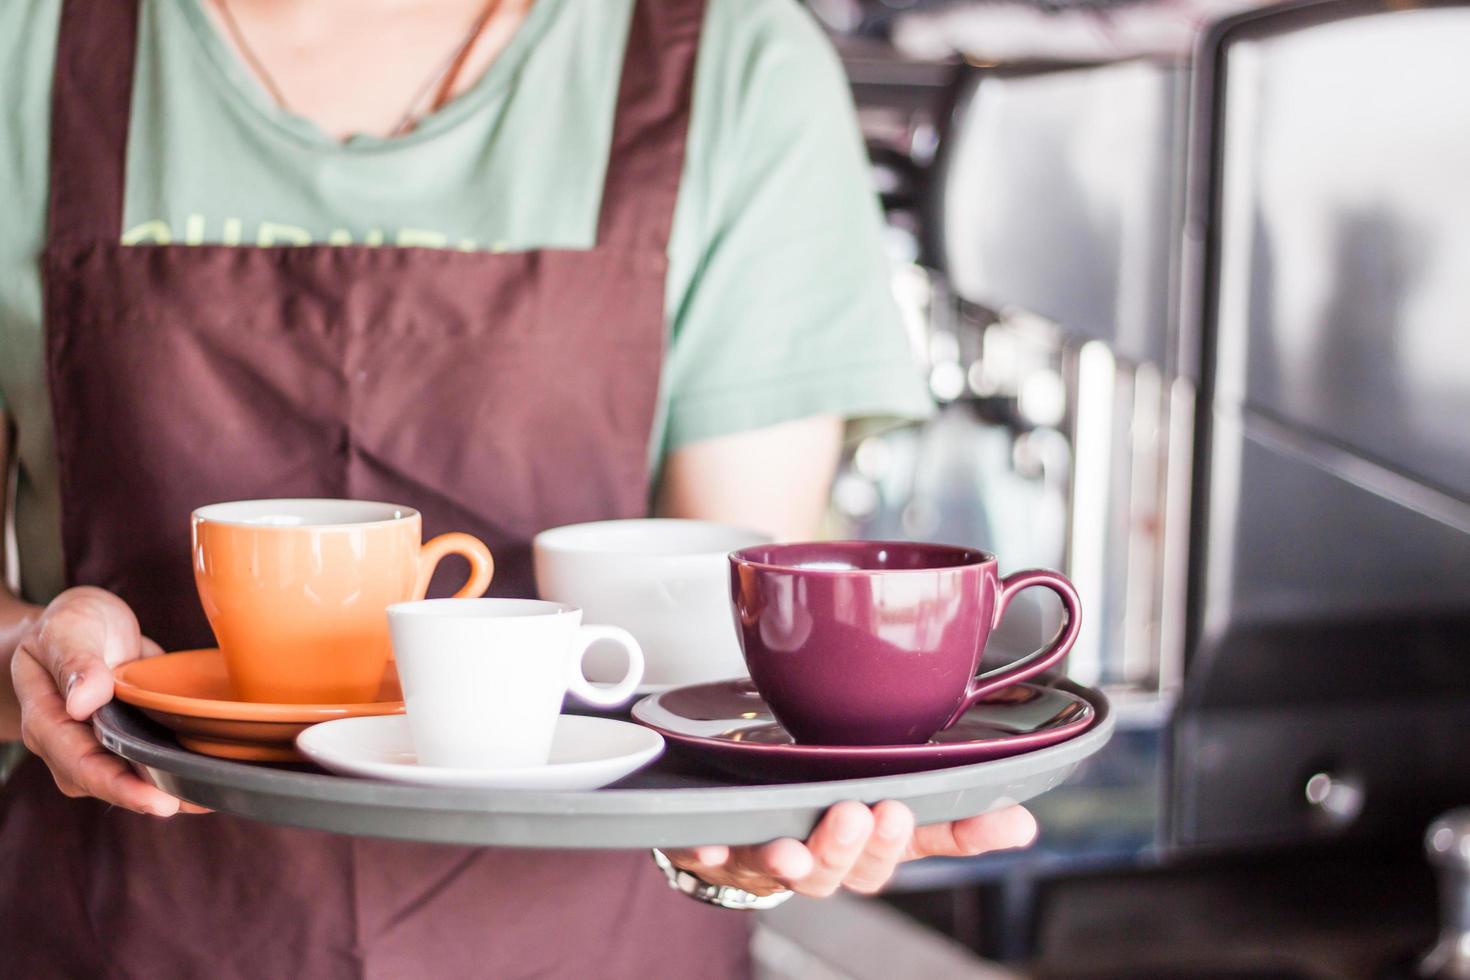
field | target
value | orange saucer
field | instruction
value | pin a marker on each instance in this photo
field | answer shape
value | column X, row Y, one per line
column 190, row 693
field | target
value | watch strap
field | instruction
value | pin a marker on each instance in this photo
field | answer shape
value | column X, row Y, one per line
column 724, row 896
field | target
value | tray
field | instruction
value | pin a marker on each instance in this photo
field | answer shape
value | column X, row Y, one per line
column 668, row 804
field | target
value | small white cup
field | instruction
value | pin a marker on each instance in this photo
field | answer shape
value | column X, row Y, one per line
column 665, row 580
column 483, row 679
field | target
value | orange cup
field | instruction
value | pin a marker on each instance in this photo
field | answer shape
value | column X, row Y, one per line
column 297, row 591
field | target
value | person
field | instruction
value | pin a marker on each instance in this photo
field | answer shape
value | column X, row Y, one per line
column 516, row 264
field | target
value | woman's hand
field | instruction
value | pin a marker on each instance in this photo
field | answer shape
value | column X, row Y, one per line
column 854, row 847
column 62, row 671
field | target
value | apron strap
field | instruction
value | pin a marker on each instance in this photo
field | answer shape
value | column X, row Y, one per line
column 91, row 99
column 646, row 158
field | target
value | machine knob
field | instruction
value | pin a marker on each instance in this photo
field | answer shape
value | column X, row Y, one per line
column 1336, row 799
column 1448, row 845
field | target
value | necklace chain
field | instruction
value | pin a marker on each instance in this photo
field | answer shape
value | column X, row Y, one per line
column 443, row 77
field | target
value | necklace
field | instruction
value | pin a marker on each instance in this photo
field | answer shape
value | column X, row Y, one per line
column 441, row 81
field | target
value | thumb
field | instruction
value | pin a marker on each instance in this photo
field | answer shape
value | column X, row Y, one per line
column 81, row 635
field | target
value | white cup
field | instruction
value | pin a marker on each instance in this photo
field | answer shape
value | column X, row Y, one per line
column 483, row 679
column 666, row 581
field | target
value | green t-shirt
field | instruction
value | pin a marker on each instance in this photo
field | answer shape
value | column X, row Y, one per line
column 777, row 293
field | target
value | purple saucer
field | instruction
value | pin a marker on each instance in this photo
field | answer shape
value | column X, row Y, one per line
column 728, row 725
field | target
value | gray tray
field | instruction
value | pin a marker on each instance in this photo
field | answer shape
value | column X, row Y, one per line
column 668, row 804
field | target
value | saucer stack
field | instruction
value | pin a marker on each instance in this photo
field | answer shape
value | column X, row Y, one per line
column 729, row 726
column 190, row 694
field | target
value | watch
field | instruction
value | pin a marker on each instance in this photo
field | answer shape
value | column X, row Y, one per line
column 725, row 896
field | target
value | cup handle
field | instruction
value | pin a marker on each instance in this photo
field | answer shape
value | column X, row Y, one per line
column 1032, row 664
column 482, row 565
column 607, row 695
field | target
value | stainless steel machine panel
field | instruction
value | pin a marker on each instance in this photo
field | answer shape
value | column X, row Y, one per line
column 1060, row 196
column 1327, row 682
column 1345, row 278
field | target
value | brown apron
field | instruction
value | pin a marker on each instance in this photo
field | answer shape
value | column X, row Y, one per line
column 498, row 393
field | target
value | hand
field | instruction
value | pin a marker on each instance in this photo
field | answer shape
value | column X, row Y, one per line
column 854, row 847
column 62, row 672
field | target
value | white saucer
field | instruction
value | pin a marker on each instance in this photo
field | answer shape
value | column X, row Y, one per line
column 586, row 752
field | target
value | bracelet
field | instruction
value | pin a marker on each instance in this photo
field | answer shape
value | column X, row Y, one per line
column 724, row 896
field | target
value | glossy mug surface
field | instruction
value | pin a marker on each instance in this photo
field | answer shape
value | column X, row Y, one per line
column 878, row 642
column 484, row 679
column 296, row 591
column 664, row 580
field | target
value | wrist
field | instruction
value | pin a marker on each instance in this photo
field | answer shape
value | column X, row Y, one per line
column 722, row 896
column 16, row 620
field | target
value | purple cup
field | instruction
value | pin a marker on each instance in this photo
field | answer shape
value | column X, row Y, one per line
column 878, row 642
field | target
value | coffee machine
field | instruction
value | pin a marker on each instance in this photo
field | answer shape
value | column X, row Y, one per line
column 1327, row 677
column 1199, row 326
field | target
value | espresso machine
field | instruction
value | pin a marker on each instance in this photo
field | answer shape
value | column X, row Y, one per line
column 1199, row 331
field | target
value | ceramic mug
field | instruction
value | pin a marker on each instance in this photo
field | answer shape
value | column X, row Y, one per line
column 664, row 580
column 878, row 642
column 296, row 591
column 484, row 679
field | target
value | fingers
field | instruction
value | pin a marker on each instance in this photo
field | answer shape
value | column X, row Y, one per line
column 74, row 667
column 767, row 865
column 83, row 633
column 893, row 826
column 80, row 765
column 835, row 846
column 759, row 870
column 781, row 862
column 700, row 860
column 771, row 867
column 854, row 847
column 998, row 831
column 817, row 868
